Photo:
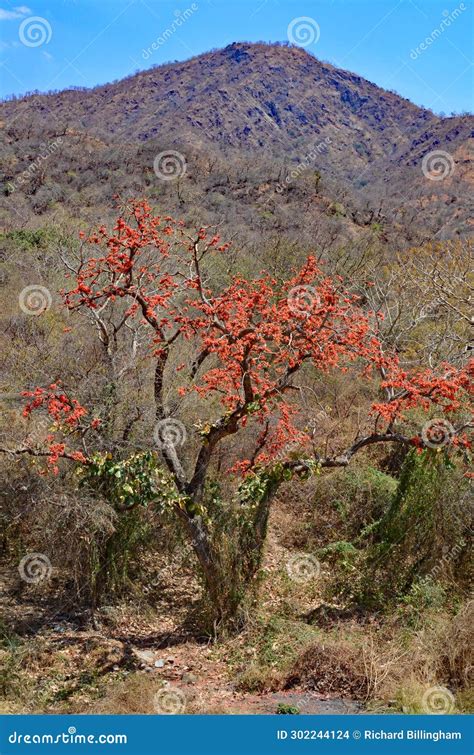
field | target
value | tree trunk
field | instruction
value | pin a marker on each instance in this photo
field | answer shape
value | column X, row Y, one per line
column 230, row 578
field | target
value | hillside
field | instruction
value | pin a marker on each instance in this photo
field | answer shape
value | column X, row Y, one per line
column 243, row 117
column 236, row 395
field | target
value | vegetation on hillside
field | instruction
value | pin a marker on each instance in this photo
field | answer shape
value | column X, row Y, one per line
column 201, row 402
column 236, row 418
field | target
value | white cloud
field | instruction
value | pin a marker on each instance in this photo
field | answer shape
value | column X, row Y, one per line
column 10, row 15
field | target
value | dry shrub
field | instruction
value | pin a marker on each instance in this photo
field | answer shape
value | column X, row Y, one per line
column 440, row 653
column 258, row 679
column 132, row 695
column 465, row 700
column 384, row 664
column 456, row 654
column 136, row 694
column 401, row 665
column 96, row 552
column 331, row 669
column 391, row 665
column 200, row 705
column 72, row 529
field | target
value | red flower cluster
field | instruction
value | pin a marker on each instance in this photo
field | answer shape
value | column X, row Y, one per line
column 424, row 387
column 66, row 414
column 250, row 338
column 64, row 410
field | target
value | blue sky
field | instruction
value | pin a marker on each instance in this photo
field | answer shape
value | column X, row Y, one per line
column 421, row 48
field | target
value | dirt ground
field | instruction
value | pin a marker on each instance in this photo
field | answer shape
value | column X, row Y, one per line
column 56, row 660
column 121, row 665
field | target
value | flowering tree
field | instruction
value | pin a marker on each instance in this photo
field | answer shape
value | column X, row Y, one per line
column 238, row 355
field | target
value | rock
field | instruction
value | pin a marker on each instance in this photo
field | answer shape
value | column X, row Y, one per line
column 160, row 663
column 145, row 656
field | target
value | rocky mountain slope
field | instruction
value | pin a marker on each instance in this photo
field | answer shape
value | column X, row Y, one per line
column 295, row 123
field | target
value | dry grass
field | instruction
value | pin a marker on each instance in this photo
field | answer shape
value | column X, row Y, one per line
column 256, row 678
column 132, row 695
column 456, row 651
column 389, row 663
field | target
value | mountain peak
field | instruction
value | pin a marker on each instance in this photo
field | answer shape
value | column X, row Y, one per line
column 274, row 102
